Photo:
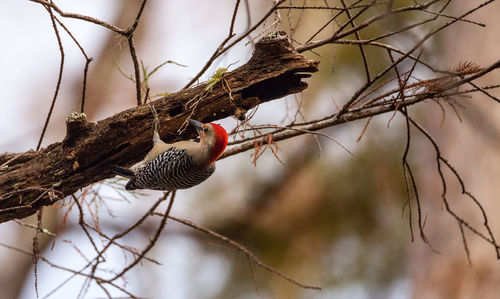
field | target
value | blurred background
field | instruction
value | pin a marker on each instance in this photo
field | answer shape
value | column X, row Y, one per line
column 323, row 217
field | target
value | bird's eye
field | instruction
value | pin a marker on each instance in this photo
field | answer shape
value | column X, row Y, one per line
column 205, row 129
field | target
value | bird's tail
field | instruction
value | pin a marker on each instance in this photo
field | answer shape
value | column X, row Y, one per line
column 122, row 171
column 132, row 185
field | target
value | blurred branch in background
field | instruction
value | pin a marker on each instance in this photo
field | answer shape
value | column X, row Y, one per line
column 395, row 41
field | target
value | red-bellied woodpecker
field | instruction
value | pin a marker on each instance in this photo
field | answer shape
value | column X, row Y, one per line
column 178, row 165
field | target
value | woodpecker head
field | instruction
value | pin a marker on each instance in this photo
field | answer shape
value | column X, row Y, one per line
column 213, row 137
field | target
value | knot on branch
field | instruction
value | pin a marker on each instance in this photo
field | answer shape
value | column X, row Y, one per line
column 77, row 127
column 276, row 42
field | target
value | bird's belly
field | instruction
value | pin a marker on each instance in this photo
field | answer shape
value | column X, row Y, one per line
column 169, row 178
column 182, row 180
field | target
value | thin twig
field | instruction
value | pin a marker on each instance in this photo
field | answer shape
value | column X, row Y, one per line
column 358, row 37
column 123, row 32
column 80, row 17
column 59, row 79
column 88, row 60
column 137, row 80
column 369, row 21
column 440, row 160
column 81, row 222
column 79, row 273
column 152, row 241
column 42, row 230
column 241, row 248
column 219, row 51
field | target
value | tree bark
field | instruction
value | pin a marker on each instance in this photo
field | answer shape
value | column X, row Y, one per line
column 36, row 178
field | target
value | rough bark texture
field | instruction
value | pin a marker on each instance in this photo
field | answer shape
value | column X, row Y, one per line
column 33, row 179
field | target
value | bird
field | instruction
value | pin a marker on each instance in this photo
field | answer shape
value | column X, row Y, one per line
column 179, row 165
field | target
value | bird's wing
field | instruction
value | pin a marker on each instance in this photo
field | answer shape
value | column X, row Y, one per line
column 157, row 149
column 160, row 148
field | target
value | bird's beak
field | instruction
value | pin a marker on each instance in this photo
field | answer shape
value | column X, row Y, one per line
column 196, row 124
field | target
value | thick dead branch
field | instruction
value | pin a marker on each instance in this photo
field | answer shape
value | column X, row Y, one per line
column 274, row 71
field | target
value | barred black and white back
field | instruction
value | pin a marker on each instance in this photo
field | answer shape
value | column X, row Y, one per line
column 171, row 170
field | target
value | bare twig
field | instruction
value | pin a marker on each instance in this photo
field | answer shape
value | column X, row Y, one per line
column 124, row 32
column 88, row 60
column 220, row 49
column 152, row 241
column 338, row 35
column 81, row 222
column 137, row 80
column 80, row 17
column 241, row 248
column 358, row 37
column 442, row 161
column 40, row 229
column 58, row 85
column 76, row 273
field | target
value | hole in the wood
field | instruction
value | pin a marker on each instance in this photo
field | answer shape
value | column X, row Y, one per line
column 275, row 87
column 176, row 110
